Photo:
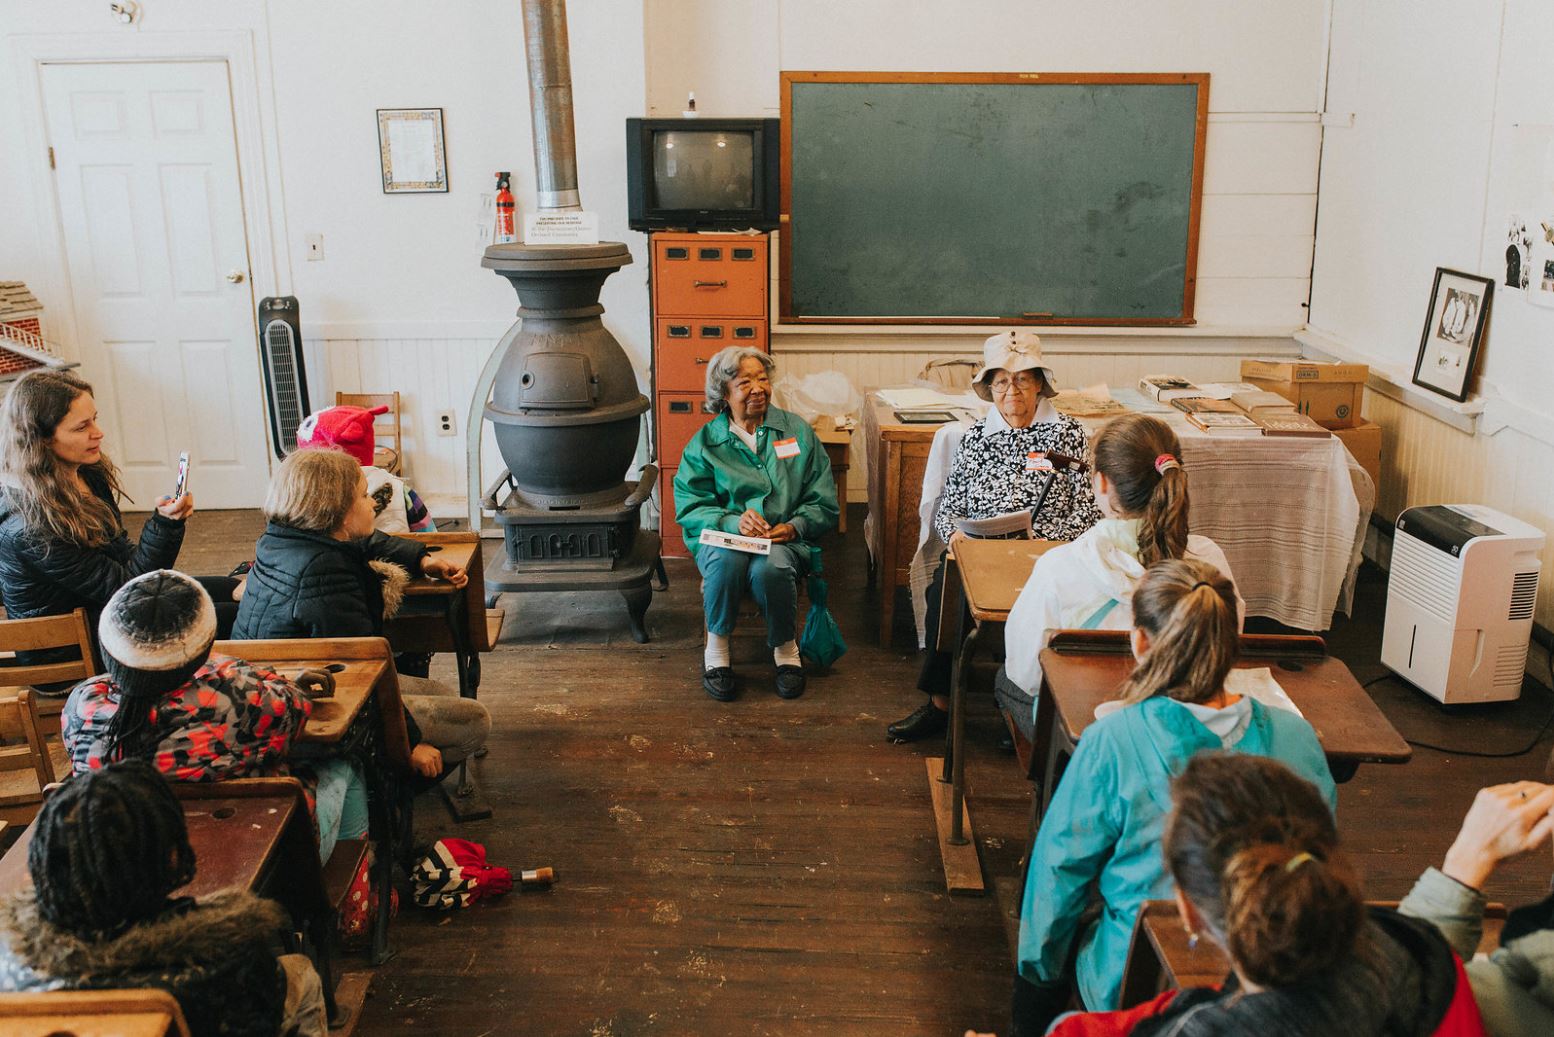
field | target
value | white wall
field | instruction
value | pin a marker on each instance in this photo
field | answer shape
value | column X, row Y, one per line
column 400, row 300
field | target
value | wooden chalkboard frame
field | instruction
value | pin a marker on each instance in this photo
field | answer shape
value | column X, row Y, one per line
column 1189, row 288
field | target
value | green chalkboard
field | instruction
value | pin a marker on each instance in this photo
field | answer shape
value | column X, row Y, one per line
column 1009, row 198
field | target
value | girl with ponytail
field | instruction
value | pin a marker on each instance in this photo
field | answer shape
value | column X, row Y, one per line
column 1141, row 487
column 1102, row 831
column 1254, row 855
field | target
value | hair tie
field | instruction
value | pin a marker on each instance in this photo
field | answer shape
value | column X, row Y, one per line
column 1200, row 583
column 1296, row 861
column 1166, row 462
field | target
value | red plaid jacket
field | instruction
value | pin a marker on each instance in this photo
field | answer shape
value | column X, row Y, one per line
column 231, row 720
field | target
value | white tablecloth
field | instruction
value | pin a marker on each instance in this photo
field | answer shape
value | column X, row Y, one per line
column 1290, row 514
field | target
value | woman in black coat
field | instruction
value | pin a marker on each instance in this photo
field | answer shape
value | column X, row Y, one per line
column 321, row 570
column 62, row 540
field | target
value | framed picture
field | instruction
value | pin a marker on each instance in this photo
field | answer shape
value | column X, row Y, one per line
column 1453, row 331
column 410, row 148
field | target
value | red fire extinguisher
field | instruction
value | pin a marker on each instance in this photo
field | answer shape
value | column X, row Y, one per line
column 504, row 210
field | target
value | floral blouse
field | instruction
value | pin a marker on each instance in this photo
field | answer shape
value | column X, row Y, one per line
column 990, row 477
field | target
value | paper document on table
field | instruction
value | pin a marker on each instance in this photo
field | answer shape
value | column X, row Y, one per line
column 1137, row 401
column 1258, row 683
column 1255, row 683
column 918, row 398
column 735, row 542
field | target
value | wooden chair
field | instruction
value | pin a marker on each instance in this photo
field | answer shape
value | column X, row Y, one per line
column 41, row 634
column 93, row 1013
column 385, row 426
column 27, row 766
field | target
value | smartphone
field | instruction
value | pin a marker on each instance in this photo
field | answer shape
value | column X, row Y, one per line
column 183, row 475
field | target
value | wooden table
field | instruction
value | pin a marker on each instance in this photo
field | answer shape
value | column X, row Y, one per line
column 253, row 834
column 898, row 456
column 1160, row 958
column 92, row 1013
column 838, row 444
column 982, row 580
column 364, row 721
column 1083, row 668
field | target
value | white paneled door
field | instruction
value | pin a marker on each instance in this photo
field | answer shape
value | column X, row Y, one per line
column 151, row 214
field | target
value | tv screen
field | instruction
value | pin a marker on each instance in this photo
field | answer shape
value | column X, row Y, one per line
column 703, row 169
column 702, row 174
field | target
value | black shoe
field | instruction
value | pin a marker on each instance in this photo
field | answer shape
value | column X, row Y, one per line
column 1006, row 743
column 927, row 719
column 719, row 683
column 790, row 682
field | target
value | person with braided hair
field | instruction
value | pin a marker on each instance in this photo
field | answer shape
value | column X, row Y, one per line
column 109, row 850
column 1254, row 854
column 1101, row 833
column 1141, row 487
column 198, row 716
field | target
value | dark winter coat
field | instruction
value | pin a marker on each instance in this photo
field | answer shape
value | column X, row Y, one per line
column 1402, row 979
column 311, row 585
column 41, row 575
column 216, row 957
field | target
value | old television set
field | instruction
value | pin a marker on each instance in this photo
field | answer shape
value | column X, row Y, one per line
column 702, row 174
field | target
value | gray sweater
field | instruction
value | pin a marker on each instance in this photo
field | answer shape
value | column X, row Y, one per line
column 1514, row 986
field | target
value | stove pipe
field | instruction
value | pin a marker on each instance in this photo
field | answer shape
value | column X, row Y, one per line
column 550, row 102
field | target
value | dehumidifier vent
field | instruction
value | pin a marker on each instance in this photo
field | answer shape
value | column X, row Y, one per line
column 1510, row 664
column 1425, row 576
column 1524, row 595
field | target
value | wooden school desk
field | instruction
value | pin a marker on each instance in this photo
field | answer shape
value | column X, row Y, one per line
column 253, row 834
column 92, row 1013
column 1083, row 668
column 982, row 580
column 365, row 722
column 838, row 446
column 1159, row 957
column 897, row 455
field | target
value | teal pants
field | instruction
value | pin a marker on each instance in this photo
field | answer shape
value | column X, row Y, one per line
column 773, row 580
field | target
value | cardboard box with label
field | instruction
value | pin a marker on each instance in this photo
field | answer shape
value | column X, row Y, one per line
column 1327, row 393
column 1364, row 442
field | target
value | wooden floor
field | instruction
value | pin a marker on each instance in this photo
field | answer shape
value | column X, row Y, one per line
column 770, row 867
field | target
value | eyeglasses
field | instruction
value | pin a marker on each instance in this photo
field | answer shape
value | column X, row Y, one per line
column 1021, row 382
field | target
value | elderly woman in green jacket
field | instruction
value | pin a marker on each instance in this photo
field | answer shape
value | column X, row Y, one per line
column 760, row 472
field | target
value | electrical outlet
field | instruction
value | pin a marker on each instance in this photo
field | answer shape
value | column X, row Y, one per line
column 315, row 247
column 445, row 423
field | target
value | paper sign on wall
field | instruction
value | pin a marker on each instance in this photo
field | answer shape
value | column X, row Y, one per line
column 561, row 228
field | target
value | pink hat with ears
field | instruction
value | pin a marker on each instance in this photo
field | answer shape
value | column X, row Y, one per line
column 342, row 428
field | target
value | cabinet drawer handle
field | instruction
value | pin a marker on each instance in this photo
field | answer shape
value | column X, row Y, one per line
column 679, row 407
column 709, row 284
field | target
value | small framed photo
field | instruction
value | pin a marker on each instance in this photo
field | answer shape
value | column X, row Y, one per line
column 1453, row 332
column 411, row 150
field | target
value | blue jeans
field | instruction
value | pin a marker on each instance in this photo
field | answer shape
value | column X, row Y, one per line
column 773, row 581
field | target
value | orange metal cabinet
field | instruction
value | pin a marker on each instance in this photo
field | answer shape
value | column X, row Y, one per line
column 668, row 529
column 721, row 275
column 685, row 344
column 679, row 416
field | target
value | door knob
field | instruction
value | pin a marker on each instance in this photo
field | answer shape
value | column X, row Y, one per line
column 235, row 276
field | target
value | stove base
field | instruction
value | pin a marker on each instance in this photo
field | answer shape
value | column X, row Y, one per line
column 632, row 576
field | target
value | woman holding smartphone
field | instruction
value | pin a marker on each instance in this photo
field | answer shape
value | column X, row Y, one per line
column 63, row 544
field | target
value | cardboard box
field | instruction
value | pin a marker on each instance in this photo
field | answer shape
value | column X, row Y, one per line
column 1364, row 442
column 1328, row 393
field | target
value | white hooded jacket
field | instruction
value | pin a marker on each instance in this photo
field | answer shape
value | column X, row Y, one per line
column 1074, row 586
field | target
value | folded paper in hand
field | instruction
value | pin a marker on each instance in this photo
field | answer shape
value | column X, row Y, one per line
column 735, row 542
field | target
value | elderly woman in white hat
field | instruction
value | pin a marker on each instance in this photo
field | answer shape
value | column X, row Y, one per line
column 1000, row 468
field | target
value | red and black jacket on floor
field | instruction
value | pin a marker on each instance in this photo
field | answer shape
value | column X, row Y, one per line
column 1402, row 978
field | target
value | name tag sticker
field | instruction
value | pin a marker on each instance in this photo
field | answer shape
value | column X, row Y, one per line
column 787, row 448
column 1036, row 461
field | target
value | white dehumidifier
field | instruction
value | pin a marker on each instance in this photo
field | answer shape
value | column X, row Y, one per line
column 1460, row 599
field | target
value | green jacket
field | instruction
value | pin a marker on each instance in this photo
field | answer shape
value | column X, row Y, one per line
column 719, row 478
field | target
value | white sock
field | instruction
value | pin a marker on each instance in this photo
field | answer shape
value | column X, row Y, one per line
column 787, row 655
column 716, row 654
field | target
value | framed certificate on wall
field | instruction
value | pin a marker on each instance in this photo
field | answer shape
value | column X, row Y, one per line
column 411, row 151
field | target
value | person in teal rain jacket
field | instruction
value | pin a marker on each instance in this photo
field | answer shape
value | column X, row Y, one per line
column 758, row 471
column 1103, row 829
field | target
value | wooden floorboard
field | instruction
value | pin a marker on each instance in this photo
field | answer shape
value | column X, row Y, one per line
column 772, row 867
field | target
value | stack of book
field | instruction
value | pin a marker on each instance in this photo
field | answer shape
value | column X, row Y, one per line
column 1217, row 417
column 1231, row 408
